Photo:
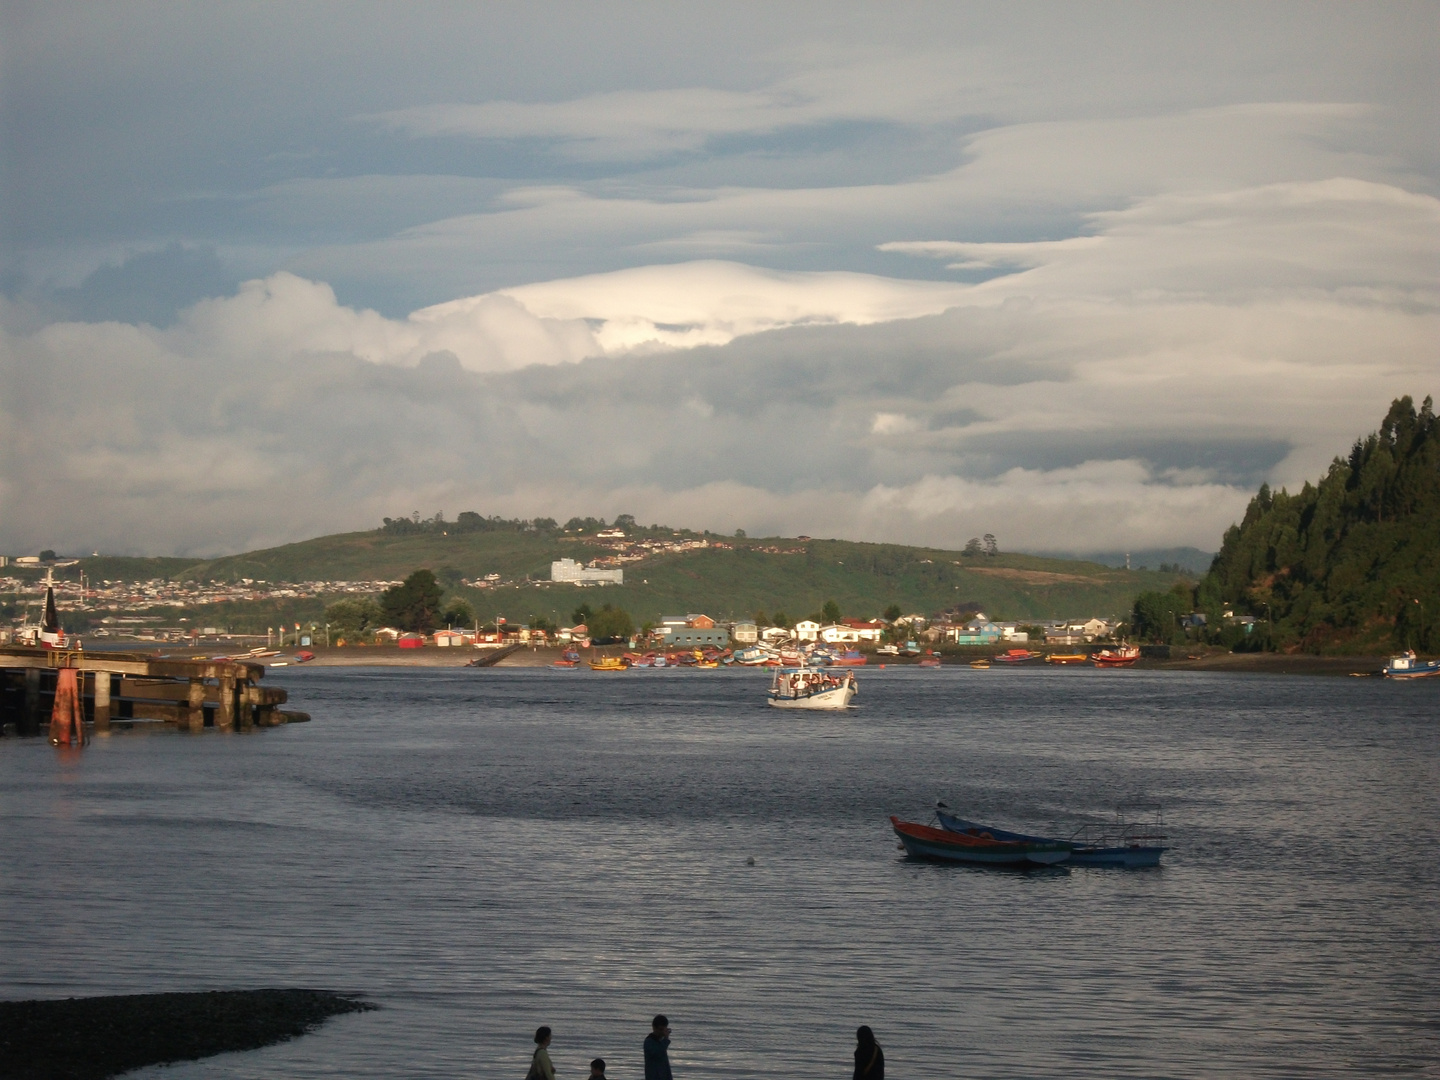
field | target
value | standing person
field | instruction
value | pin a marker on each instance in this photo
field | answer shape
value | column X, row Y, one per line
column 540, row 1067
column 657, row 1044
column 869, row 1058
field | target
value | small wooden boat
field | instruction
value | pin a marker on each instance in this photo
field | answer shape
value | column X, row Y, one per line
column 609, row 663
column 928, row 842
column 849, row 658
column 1408, row 666
column 980, row 665
column 1068, row 658
column 1122, row 844
column 1017, row 656
column 1119, row 656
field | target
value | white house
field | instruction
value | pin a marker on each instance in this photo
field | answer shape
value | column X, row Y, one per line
column 774, row 635
column 868, row 630
column 571, row 571
column 745, row 632
column 839, row 634
column 807, row 630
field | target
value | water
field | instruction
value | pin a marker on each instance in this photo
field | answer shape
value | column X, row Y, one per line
column 484, row 851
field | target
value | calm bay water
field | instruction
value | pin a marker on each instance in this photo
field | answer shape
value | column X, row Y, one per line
column 484, row 851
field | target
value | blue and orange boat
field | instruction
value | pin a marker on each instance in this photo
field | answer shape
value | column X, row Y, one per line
column 1123, row 844
column 928, row 842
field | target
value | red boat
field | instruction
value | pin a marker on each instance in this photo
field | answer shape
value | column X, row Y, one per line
column 926, row 842
column 1017, row 656
column 1120, row 656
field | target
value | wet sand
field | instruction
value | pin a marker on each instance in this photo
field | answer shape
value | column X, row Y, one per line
column 99, row 1037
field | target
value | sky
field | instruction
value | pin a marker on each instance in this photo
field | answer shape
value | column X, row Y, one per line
column 1080, row 275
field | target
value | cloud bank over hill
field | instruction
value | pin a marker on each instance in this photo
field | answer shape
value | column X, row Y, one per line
column 892, row 291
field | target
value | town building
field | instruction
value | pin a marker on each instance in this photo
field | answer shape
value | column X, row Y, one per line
column 865, row 629
column 807, row 630
column 568, row 570
column 745, row 632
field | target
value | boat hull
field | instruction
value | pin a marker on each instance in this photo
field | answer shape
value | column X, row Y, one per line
column 1126, row 855
column 926, row 842
column 1129, row 857
column 833, row 700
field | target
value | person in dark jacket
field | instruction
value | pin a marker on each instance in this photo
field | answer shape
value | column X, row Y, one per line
column 869, row 1058
column 657, row 1057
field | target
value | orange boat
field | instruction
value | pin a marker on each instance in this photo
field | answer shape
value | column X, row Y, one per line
column 1068, row 658
column 1120, row 656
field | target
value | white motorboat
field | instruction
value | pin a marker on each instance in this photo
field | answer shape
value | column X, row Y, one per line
column 808, row 688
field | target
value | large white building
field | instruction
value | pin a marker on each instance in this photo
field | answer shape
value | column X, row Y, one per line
column 571, row 571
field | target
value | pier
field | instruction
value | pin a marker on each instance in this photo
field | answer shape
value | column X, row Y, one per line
column 121, row 690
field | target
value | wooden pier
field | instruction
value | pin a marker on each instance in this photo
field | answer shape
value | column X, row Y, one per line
column 123, row 689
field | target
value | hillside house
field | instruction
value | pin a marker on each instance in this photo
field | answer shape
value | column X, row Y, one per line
column 867, row 629
column 745, row 632
column 807, row 630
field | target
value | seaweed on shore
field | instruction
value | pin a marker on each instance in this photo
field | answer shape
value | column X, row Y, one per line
column 99, row 1037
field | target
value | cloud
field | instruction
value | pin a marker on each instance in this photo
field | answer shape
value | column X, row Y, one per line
column 1130, row 390
column 1034, row 180
column 644, row 124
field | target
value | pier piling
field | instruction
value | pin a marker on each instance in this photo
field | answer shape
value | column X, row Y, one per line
column 121, row 689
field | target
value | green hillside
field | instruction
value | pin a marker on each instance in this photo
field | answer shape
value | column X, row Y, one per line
column 1351, row 564
column 863, row 579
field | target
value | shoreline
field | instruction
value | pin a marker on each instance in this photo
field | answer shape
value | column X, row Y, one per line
column 94, row 1038
column 545, row 656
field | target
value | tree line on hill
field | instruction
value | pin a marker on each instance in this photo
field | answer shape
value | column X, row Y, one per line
column 1344, row 565
column 468, row 521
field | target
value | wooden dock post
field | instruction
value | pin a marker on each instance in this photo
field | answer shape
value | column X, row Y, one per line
column 225, row 708
column 195, row 714
column 30, row 720
column 102, row 702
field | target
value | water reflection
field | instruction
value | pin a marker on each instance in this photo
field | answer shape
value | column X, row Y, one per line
column 485, row 851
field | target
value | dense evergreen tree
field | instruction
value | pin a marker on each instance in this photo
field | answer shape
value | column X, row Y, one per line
column 413, row 604
column 1351, row 563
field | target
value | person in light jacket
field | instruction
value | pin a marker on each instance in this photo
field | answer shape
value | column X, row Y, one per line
column 540, row 1067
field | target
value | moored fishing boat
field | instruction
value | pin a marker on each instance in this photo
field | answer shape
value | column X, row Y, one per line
column 982, row 664
column 1408, row 666
column 49, row 634
column 1124, row 843
column 1016, row 656
column 609, row 663
column 1119, row 656
column 807, row 688
column 849, row 658
column 928, row 842
column 1068, row 658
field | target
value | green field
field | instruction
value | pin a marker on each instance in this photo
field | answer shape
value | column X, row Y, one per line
column 863, row 579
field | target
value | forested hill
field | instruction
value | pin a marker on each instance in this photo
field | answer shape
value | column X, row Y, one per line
column 1352, row 564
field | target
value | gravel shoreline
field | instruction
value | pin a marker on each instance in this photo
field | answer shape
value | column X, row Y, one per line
column 99, row 1037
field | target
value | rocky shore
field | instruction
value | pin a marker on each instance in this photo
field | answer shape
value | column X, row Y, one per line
column 94, row 1038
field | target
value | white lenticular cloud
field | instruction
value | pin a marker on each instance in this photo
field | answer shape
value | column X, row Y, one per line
column 711, row 303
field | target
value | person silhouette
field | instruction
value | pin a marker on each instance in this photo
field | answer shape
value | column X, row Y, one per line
column 869, row 1058
column 540, row 1067
column 657, row 1057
